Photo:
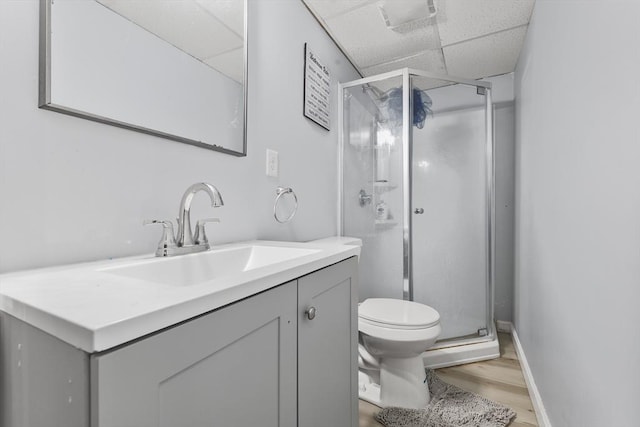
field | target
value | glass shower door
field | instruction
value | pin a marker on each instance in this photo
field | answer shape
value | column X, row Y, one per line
column 372, row 198
column 450, row 215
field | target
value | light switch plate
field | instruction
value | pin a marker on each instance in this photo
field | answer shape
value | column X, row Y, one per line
column 272, row 163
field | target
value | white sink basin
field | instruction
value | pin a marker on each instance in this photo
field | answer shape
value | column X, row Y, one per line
column 187, row 270
column 98, row 306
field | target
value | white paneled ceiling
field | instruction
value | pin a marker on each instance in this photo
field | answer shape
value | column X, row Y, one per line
column 465, row 38
column 432, row 60
column 211, row 31
column 364, row 35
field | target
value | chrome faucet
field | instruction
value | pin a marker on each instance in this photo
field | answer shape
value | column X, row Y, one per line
column 186, row 241
column 185, row 236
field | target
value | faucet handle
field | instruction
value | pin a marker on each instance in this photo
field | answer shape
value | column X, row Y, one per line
column 200, row 237
column 168, row 240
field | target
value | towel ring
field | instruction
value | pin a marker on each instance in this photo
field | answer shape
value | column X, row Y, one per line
column 281, row 191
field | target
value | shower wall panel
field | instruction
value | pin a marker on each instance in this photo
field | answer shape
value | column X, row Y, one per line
column 369, row 145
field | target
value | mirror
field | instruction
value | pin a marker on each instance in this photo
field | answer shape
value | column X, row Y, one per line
column 171, row 68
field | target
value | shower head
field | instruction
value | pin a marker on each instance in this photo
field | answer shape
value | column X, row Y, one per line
column 376, row 92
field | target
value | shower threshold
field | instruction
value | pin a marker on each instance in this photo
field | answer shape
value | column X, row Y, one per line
column 461, row 351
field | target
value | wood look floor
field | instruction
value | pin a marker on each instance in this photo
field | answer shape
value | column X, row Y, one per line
column 500, row 380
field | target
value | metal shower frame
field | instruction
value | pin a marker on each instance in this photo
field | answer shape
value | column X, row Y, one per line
column 407, row 173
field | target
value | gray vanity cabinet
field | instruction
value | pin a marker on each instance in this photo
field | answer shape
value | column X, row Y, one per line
column 233, row 367
column 267, row 361
column 327, row 347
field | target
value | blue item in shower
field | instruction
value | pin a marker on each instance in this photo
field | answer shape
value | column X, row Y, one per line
column 421, row 107
column 392, row 102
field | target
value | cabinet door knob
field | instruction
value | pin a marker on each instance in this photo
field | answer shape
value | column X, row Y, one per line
column 419, row 211
column 310, row 312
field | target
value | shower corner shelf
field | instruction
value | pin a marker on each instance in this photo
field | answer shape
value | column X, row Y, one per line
column 385, row 222
column 384, row 186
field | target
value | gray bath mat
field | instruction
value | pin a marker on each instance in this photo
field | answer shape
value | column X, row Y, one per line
column 450, row 406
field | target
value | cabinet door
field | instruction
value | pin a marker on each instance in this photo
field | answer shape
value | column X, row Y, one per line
column 235, row 367
column 327, row 347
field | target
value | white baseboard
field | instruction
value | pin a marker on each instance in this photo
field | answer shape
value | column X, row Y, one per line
column 503, row 326
column 536, row 399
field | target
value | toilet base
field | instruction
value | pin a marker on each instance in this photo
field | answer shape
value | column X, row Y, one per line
column 402, row 383
column 368, row 389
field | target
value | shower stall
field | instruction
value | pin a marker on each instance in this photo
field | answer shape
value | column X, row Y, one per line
column 416, row 185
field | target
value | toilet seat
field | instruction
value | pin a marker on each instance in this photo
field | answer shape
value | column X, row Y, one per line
column 397, row 314
column 397, row 320
column 398, row 334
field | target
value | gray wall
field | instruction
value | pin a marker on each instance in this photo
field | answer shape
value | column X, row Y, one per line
column 578, row 209
column 73, row 190
column 504, row 128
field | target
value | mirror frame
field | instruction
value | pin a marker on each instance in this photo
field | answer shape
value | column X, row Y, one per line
column 44, row 90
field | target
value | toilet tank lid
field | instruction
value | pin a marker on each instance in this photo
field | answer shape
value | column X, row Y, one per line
column 397, row 312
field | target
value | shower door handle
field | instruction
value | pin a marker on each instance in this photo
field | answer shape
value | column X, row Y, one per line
column 419, row 211
column 364, row 198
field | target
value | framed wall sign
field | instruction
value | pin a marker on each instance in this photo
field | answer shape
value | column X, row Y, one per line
column 317, row 89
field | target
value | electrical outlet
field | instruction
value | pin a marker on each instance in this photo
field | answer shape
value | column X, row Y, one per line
column 272, row 163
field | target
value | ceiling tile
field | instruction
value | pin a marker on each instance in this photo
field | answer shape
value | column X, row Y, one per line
column 485, row 56
column 229, row 12
column 330, row 8
column 363, row 34
column 430, row 60
column 460, row 20
column 231, row 64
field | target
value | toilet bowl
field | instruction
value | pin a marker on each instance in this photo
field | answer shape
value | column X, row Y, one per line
column 392, row 336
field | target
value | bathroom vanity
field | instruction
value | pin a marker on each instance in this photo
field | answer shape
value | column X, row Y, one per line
column 277, row 345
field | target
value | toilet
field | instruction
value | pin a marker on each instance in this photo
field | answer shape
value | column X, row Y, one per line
column 392, row 336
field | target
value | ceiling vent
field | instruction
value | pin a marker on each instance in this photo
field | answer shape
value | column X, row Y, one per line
column 401, row 14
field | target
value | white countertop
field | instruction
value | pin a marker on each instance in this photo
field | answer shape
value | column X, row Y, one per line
column 94, row 310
